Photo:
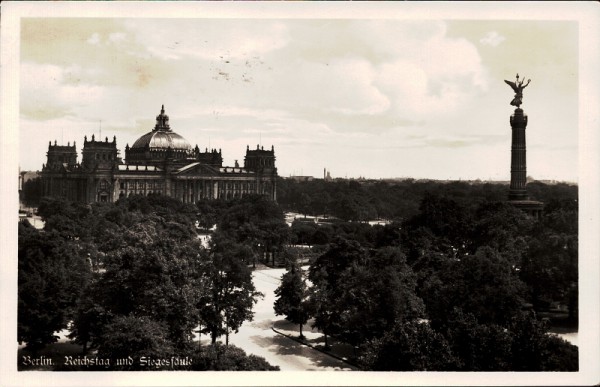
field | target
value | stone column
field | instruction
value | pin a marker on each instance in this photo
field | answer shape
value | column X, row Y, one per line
column 518, row 162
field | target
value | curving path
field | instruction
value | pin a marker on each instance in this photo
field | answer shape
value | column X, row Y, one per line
column 256, row 337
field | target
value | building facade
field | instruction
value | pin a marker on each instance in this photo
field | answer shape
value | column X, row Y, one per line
column 159, row 162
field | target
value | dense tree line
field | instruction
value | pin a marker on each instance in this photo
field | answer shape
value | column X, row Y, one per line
column 132, row 279
column 354, row 200
column 455, row 219
column 458, row 285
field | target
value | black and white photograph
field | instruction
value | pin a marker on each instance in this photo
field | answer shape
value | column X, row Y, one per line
column 386, row 193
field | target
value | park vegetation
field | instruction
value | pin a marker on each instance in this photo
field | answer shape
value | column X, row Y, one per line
column 458, row 279
column 132, row 279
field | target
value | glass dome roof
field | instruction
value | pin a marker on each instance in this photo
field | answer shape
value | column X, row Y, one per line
column 162, row 137
column 162, row 140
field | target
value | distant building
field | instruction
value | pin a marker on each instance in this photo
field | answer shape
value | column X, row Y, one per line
column 162, row 162
column 25, row 176
column 302, row 178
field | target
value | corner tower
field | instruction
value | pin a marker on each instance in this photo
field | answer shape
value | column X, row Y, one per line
column 99, row 154
column 61, row 156
column 262, row 163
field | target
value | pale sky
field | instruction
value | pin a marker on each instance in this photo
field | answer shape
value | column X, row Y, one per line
column 378, row 89
column 360, row 97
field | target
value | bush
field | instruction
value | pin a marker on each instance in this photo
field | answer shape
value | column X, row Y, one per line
column 130, row 336
column 412, row 346
column 220, row 357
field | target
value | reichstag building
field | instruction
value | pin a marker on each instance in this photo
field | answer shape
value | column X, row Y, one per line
column 162, row 162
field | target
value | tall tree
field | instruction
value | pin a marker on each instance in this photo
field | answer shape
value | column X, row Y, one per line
column 52, row 273
column 447, row 221
column 478, row 347
column 151, row 275
column 292, row 296
column 229, row 292
column 321, row 307
column 484, row 284
column 256, row 221
column 326, row 276
column 533, row 349
column 550, row 265
column 360, row 294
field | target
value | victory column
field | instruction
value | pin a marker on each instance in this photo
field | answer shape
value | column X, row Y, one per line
column 518, row 164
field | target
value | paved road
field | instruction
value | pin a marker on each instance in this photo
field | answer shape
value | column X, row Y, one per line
column 257, row 337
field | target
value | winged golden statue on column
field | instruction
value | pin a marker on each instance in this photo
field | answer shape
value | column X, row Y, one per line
column 518, row 87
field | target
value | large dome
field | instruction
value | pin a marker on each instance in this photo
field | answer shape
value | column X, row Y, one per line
column 162, row 140
column 162, row 137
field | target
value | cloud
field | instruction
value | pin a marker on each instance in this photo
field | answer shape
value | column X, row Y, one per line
column 492, row 38
column 49, row 91
column 464, row 141
column 339, row 67
column 330, row 70
column 40, row 85
column 207, row 39
column 94, row 39
column 342, row 87
column 290, row 82
column 423, row 74
column 117, row 37
column 346, row 86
